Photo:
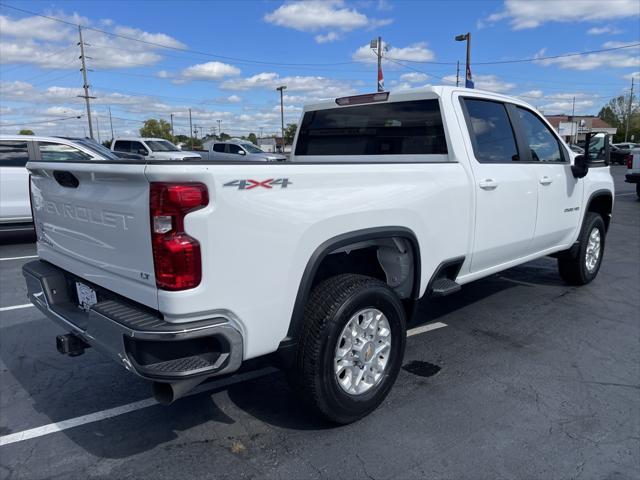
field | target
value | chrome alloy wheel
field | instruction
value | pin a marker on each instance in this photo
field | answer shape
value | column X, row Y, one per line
column 594, row 247
column 363, row 350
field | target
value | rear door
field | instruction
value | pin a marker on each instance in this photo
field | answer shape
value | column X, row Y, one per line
column 92, row 219
column 505, row 188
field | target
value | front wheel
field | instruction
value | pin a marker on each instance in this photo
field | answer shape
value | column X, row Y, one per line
column 581, row 268
column 351, row 347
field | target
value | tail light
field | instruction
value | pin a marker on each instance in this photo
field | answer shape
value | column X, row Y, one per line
column 629, row 161
column 176, row 255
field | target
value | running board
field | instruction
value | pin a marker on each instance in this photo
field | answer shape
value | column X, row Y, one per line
column 443, row 287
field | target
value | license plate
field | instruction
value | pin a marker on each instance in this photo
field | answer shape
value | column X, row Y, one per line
column 86, row 296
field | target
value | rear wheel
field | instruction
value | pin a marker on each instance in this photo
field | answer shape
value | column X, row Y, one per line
column 583, row 266
column 351, row 347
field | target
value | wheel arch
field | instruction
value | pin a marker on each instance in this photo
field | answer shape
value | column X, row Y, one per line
column 320, row 254
column 601, row 202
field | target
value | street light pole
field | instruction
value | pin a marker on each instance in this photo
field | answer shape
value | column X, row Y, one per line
column 468, row 78
column 626, row 128
column 282, row 89
column 219, row 130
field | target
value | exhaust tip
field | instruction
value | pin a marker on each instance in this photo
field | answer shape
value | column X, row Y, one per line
column 163, row 393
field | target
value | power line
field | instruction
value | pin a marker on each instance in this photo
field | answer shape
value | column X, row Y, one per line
column 43, row 121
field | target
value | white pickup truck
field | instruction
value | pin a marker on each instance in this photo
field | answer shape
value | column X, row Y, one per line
column 181, row 271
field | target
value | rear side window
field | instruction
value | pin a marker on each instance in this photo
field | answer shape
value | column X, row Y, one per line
column 122, row 146
column 400, row 128
column 138, row 147
column 13, row 153
column 58, row 152
column 491, row 132
column 218, row 147
column 543, row 145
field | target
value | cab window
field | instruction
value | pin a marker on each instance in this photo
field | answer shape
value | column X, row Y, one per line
column 218, row 147
column 122, row 146
column 543, row 145
column 139, row 148
column 234, row 149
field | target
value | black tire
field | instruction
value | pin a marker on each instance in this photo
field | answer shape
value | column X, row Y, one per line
column 572, row 267
column 330, row 307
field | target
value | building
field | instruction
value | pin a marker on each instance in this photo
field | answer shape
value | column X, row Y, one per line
column 573, row 129
column 272, row 145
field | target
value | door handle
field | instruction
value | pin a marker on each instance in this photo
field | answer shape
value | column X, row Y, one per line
column 546, row 180
column 488, row 184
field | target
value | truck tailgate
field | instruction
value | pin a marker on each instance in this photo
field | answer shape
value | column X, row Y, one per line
column 92, row 220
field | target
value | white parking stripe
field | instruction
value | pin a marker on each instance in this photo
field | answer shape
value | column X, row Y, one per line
column 16, row 307
column 17, row 258
column 121, row 410
column 624, row 194
column 148, row 402
column 425, row 328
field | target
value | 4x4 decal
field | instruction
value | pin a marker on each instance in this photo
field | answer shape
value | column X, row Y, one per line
column 251, row 184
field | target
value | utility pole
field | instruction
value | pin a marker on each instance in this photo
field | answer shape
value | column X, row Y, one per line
column 626, row 128
column 98, row 128
column 468, row 78
column 190, row 130
column 172, row 134
column 85, row 82
column 219, row 129
column 380, row 76
column 111, row 123
column 282, row 89
column 458, row 74
column 573, row 121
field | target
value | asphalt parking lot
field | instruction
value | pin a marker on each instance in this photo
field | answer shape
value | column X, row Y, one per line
column 525, row 377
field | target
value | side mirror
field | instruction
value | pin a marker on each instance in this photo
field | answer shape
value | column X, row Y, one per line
column 580, row 166
column 242, row 152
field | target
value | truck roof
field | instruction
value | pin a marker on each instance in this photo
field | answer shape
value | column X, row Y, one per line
column 141, row 138
column 420, row 94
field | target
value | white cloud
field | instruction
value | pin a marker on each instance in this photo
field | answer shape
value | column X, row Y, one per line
column 209, row 71
column 532, row 94
column 234, row 99
column 331, row 16
column 322, row 86
column 414, row 77
column 416, row 52
column 628, row 58
column 603, row 30
column 523, row 14
column 490, row 83
column 631, row 75
column 37, row 41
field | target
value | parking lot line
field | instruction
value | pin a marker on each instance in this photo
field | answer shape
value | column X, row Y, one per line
column 425, row 328
column 16, row 307
column 6, row 259
column 625, row 194
column 149, row 402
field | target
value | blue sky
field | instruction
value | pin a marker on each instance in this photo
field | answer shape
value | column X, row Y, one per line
column 227, row 57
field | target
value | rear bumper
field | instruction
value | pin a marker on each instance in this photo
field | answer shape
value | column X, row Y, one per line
column 632, row 178
column 136, row 337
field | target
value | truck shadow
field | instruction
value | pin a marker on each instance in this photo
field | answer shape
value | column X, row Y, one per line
column 60, row 388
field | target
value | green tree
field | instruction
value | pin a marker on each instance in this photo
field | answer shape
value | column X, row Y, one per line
column 156, row 128
column 26, row 131
column 107, row 143
column 223, row 137
column 615, row 113
column 252, row 138
column 290, row 133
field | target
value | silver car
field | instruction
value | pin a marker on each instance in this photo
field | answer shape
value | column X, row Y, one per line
column 240, row 151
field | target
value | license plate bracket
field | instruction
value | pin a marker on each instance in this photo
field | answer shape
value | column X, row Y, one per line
column 86, row 296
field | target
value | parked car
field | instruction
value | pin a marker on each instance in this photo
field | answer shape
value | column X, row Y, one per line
column 633, row 169
column 151, row 148
column 626, row 145
column 16, row 151
column 181, row 274
column 619, row 155
column 239, row 152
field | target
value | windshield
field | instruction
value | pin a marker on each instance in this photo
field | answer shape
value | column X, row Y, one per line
column 161, row 146
column 98, row 148
column 249, row 147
